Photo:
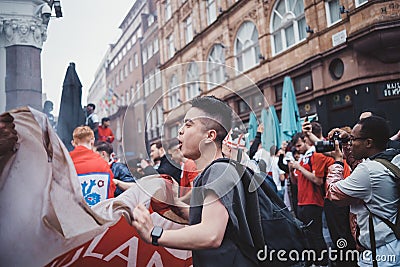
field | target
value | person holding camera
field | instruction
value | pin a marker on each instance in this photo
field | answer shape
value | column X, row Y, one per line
column 337, row 218
column 309, row 175
column 371, row 190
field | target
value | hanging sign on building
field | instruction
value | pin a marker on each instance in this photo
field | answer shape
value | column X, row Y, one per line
column 389, row 89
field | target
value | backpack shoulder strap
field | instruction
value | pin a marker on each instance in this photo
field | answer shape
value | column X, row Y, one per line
column 253, row 216
column 393, row 168
column 395, row 227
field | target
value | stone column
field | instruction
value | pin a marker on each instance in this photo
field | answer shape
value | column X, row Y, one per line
column 22, row 32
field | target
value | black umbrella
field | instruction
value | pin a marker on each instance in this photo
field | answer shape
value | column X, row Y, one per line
column 71, row 113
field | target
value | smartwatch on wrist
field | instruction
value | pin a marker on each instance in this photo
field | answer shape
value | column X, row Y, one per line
column 156, row 234
column 339, row 162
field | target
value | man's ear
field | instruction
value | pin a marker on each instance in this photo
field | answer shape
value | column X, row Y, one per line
column 92, row 143
column 370, row 143
column 162, row 151
column 212, row 135
column 104, row 154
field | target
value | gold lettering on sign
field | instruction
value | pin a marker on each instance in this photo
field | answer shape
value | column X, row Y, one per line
column 392, row 89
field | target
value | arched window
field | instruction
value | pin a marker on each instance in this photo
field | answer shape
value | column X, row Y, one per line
column 216, row 66
column 192, row 81
column 173, row 92
column 288, row 24
column 247, row 49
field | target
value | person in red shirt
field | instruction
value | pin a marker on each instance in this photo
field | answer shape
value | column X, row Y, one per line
column 94, row 173
column 105, row 132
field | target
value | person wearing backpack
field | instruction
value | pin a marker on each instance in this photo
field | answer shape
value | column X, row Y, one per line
column 372, row 191
column 211, row 229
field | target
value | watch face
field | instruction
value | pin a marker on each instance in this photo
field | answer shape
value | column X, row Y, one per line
column 157, row 231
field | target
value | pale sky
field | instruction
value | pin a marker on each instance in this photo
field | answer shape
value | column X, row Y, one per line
column 81, row 36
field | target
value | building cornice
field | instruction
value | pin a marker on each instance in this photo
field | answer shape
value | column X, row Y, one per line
column 23, row 30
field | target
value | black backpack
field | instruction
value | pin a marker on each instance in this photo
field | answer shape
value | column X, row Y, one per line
column 273, row 228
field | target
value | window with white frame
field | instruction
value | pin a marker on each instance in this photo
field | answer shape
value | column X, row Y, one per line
column 173, row 92
column 216, row 66
column 160, row 115
column 139, row 126
column 122, row 103
column 168, row 10
column 134, row 38
column 332, row 8
column 247, row 49
column 121, row 75
column 360, row 2
column 154, row 122
column 130, row 65
column 129, row 45
column 170, row 46
column 188, row 30
column 174, row 131
column 155, row 45
column 127, row 97
column 146, row 85
column 136, row 59
column 149, row 50
column 125, row 70
column 152, row 82
column 211, row 8
column 144, row 55
column 192, row 81
column 132, row 92
column 158, row 77
column 137, row 90
column 288, row 25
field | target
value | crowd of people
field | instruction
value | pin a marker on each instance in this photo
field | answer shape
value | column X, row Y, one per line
column 313, row 185
column 317, row 187
column 347, row 182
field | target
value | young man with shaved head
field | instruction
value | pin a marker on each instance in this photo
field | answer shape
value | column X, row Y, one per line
column 214, row 230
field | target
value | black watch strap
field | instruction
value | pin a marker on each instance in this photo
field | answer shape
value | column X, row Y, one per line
column 339, row 162
column 156, row 234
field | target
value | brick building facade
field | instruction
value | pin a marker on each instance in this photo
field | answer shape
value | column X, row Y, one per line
column 343, row 56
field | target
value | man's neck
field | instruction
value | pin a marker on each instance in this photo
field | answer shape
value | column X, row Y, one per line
column 374, row 152
column 88, row 146
column 207, row 158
